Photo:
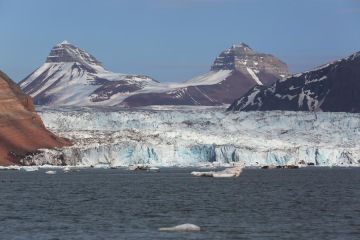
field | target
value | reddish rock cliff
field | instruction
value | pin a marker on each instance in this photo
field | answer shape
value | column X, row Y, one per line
column 21, row 129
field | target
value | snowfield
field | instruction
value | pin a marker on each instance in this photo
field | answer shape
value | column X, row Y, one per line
column 198, row 136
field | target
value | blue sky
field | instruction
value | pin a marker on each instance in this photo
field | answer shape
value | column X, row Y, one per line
column 174, row 40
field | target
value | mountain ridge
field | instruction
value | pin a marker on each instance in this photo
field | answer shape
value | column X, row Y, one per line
column 334, row 87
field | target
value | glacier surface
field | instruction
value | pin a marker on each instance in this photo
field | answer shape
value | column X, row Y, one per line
column 200, row 136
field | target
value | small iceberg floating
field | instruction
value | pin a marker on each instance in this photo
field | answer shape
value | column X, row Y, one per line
column 229, row 172
column 187, row 227
column 143, row 168
column 50, row 172
column 280, row 166
column 12, row 167
column 154, row 169
column 30, row 168
column 139, row 168
column 66, row 169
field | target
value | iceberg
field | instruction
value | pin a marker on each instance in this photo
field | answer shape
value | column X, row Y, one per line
column 187, row 227
column 30, row 168
column 11, row 167
column 229, row 172
column 66, row 169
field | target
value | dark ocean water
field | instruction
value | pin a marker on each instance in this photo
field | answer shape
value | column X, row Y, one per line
column 312, row 203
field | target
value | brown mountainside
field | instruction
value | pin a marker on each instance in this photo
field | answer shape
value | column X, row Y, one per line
column 21, row 129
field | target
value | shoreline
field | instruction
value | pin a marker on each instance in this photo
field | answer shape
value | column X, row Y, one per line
column 104, row 167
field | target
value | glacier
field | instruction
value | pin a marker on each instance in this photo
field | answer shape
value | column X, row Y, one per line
column 199, row 136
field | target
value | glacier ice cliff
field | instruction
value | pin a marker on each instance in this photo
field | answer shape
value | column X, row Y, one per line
column 195, row 136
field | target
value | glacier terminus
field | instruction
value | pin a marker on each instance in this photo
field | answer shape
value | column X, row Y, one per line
column 199, row 136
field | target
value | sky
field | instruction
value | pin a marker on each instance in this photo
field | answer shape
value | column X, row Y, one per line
column 175, row 40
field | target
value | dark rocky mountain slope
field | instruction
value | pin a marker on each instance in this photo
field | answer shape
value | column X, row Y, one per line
column 334, row 87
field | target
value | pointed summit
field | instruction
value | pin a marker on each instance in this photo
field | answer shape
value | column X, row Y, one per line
column 242, row 57
column 66, row 52
column 241, row 45
column 226, row 60
column 242, row 48
column 65, row 42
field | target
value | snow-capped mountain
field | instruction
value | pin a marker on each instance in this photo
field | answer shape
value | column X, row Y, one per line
column 334, row 87
column 234, row 72
column 71, row 76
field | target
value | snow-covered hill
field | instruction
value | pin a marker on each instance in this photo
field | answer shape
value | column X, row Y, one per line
column 334, row 87
column 193, row 136
column 72, row 77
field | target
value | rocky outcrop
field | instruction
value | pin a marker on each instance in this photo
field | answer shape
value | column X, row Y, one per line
column 334, row 87
column 21, row 130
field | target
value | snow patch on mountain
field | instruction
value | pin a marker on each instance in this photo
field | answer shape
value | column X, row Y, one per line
column 253, row 75
column 211, row 78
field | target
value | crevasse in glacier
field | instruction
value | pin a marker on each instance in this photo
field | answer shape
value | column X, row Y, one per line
column 196, row 136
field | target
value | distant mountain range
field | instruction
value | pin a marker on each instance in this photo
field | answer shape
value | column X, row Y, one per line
column 72, row 77
column 334, row 87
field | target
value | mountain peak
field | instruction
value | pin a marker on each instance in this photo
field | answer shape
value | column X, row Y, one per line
column 354, row 56
column 241, row 48
column 67, row 52
column 227, row 59
column 241, row 44
column 65, row 42
column 242, row 57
